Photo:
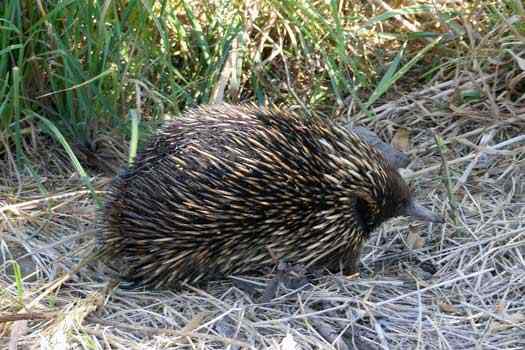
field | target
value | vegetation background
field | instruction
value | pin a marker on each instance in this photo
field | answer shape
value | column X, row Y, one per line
column 83, row 84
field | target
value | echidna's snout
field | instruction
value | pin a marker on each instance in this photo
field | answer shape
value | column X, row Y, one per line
column 419, row 212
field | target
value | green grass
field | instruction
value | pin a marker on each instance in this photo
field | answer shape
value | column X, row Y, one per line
column 83, row 65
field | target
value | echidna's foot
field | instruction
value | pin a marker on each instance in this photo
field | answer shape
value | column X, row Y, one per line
column 425, row 266
column 348, row 266
column 290, row 276
column 352, row 275
column 351, row 272
column 248, row 286
column 428, row 267
column 286, row 275
column 340, row 273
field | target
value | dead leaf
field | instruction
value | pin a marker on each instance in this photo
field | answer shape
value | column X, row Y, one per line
column 448, row 308
column 401, row 140
column 414, row 240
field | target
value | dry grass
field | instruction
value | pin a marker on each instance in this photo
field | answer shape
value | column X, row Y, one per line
column 473, row 301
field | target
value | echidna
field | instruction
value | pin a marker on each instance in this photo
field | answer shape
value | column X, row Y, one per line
column 222, row 188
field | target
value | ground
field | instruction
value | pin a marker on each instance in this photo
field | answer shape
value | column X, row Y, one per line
column 472, row 174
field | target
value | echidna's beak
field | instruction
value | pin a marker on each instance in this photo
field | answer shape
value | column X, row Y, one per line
column 418, row 212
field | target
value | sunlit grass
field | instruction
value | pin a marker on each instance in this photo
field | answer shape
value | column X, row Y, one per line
column 84, row 65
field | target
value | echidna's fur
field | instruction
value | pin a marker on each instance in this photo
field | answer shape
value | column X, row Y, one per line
column 219, row 187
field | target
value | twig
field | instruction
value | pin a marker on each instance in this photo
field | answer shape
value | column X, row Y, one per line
column 56, row 284
column 306, row 315
column 18, row 330
column 447, row 180
column 430, row 169
column 463, row 179
column 166, row 331
column 15, row 207
column 421, row 291
column 31, row 316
